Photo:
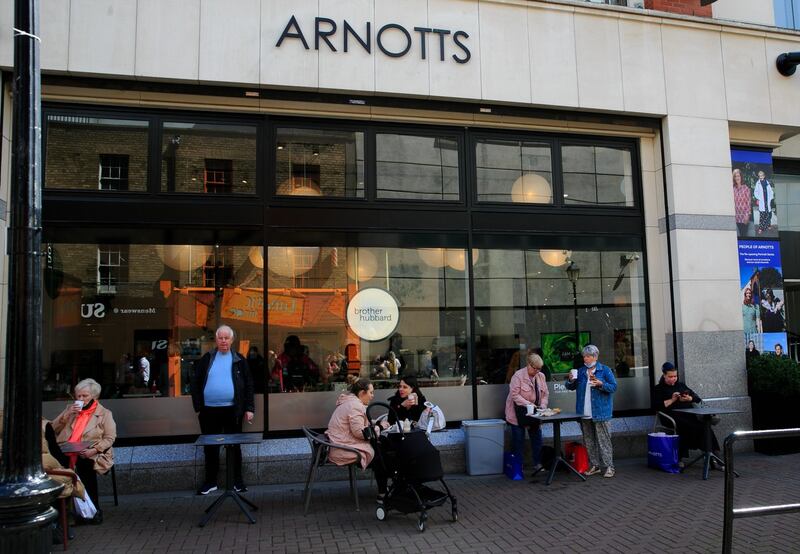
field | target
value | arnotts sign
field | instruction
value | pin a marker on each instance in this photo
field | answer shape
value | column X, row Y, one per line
column 325, row 30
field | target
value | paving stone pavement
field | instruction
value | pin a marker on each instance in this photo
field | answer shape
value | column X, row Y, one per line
column 640, row 510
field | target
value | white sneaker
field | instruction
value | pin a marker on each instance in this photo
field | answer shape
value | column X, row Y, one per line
column 609, row 472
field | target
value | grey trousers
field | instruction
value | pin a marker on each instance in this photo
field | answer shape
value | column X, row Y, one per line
column 597, row 438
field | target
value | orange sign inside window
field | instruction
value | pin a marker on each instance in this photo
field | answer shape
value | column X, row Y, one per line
column 244, row 305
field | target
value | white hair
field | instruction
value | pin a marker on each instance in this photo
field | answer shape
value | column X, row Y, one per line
column 535, row 360
column 590, row 350
column 225, row 328
column 90, row 385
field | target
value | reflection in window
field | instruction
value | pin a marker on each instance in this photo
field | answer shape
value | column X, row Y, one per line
column 315, row 162
column 316, row 351
column 113, row 172
column 107, row 306
column 416, row 167
column 208, row 158
column 92, row 153
column 109, row 269
column 524, row 301
column 597, row 175
column 787, row 201
column 514, row 171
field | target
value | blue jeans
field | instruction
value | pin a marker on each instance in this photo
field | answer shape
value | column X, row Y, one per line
column 518, row 436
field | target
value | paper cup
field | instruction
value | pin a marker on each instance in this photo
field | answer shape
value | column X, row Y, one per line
column 79, row 404
column 573, row 374
column 531, row 409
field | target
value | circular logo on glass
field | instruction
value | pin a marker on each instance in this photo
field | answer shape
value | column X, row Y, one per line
column 373, row 314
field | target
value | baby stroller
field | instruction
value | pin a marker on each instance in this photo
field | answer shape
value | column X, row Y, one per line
column 410, row 461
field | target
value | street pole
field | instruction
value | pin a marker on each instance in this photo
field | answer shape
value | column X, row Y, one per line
column 26, row 493
column 573, row 274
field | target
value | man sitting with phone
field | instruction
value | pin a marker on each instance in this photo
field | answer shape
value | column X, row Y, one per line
column 670, row 395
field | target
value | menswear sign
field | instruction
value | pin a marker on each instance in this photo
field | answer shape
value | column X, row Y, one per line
column 392, row 39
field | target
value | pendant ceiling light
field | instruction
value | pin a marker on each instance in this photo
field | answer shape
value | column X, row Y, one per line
column 183, row 257
column 555, row 258
column 532, row 188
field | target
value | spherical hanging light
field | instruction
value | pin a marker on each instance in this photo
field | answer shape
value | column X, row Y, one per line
column 256, row 256
column 362, row 265
column 532, row 188
column 555, row 258
column 183, row 257
column 457, row 258
column 299, row 186
column 434, row 257
column 291, row 261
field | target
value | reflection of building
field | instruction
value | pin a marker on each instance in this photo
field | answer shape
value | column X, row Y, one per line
column 463, row 184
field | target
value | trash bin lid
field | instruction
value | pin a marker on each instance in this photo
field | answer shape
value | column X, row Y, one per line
column 482, row 422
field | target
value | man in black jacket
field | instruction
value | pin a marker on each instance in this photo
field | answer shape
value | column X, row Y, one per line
column 222, row 393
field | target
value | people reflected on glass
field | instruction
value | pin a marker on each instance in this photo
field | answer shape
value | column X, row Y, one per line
column 595, row 385
column 527, row 392
column 299, row 370
column 672, row 394
column 408, row 402
column 87, row 421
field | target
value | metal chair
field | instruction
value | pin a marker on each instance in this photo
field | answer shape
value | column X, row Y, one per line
column 113, row 473
column 320, row 447
column 665, row 423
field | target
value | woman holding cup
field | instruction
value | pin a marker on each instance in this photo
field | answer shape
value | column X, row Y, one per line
column 527, row 391
column 595, row 385
column 86, row 421
column 408, row 402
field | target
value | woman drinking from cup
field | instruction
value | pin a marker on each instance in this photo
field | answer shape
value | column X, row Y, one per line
column 408, row 402
column 526, row 392
column 595, row 385
column 86, row 421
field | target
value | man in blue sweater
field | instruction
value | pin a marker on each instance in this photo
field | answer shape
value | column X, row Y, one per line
column 222, row 394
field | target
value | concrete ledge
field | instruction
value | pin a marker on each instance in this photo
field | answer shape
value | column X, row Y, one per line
column 278, row 461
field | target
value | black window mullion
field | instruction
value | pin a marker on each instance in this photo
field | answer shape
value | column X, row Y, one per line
column 154, row 161
column 558, row 175
column 370, row 165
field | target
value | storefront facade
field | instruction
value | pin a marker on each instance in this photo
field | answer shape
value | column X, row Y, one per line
column 342, row 181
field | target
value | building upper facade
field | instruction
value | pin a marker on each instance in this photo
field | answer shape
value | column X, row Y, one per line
column 555, row 54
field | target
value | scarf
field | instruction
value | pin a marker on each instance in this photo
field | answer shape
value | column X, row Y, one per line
column 81, row 422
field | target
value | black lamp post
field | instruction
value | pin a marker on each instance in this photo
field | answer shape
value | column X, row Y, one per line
column 25, row 491
column 573, row 274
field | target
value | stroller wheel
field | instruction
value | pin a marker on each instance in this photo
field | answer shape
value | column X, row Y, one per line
column 380, row 513
column 421, row 523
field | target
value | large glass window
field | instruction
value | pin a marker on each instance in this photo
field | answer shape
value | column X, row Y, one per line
column 315, row 351
column 597, row 175
column 108, row 306
column 208, row 158
column 526, row 302
column 417, row 167
column 514, row 171
column 317, row 162
column 95, row 153
column 787, row 201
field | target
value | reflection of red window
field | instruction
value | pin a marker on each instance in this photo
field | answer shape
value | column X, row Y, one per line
column 218, row 176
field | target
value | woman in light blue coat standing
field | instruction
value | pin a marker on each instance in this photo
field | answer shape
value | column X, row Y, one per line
column 595, row 385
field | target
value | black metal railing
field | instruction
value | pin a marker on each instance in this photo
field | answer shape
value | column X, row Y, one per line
column 732, row 513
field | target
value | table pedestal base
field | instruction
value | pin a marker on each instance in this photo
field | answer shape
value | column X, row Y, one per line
column 230, row 492
column 559, row 459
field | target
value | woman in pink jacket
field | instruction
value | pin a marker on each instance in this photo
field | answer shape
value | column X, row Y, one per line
column 527, row 387
column 349, row 426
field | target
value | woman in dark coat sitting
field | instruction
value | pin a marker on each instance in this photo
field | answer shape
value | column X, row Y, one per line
column 670, row 395
column 408, row 402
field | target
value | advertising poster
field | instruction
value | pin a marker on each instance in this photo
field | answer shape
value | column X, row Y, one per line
column 762, row 296
column 754, row 194
column 559, row 349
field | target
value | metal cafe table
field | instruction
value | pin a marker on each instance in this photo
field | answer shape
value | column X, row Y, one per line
column 706, row 413
column 556, row 420
column 227, row 441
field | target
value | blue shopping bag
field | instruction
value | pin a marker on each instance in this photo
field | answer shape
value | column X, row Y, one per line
column 512, row 466
column 662, row 452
